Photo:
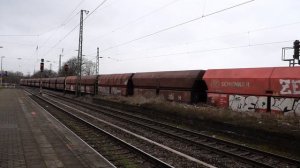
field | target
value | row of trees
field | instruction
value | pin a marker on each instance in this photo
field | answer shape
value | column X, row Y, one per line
column 88, row 68
column 12, row 77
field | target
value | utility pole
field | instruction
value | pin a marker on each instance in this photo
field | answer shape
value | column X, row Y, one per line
column 1, row 71
column 60, row 55
column 97, row 62
column 79, row 58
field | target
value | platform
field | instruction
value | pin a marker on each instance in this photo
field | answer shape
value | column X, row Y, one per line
column 31, row 138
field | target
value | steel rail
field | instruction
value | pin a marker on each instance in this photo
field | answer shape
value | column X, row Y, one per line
column 145, row 155
column 227, row 143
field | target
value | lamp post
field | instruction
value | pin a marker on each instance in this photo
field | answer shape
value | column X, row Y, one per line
column 19, row 64
column 50, row 68
column 1, row 71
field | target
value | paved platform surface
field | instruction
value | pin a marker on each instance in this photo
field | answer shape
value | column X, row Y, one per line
column 31, row 137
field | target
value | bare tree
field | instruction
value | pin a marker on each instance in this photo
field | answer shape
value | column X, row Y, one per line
column 46, row 74
column 12, row 77
column 72, row 64
column 88, row 67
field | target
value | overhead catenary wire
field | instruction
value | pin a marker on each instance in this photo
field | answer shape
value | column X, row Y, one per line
column 19, row 35
column 174, row 26
column 209, row 50
column 136, row 20
column 51, row 36
column 64, row 37
column 70, row 17
column 214, row 37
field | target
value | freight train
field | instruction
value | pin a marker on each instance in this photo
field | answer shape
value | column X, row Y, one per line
column 271, row 89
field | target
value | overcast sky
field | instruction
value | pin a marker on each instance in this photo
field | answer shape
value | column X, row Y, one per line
column 148, row 35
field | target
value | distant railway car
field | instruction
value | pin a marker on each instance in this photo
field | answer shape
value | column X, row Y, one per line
column 145, row 84
column 45, row 83
column 88, row 84
column 255, row 89
column 60, row 83
column 36, row 82
column 22, row 82
column 28, row 83
column 115, row 84
column 178, row 86
column 70, row 83
column 52, row 83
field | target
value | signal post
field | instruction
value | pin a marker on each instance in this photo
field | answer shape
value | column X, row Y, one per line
column 41, row 70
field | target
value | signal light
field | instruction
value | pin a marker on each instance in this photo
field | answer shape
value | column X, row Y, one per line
column 66, row 67
column 42, row 67
column 5, row 73
column 296, row 49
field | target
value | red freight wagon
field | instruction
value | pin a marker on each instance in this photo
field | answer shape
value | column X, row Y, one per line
column 115, row 84
column 22, row 82
column 88, row 84
column 238, row 81
column 145, row 84
column 179, row 79
column 32, row 82
column 45, row 82
column 71, row 83
column 36, row 82
column 285, row 86
column 59, row 83
column 285, row 81
column 182, row 86
column 52, row 83
column 179, row 86
column 274, row 90
column 243, row 89
column 29, row 82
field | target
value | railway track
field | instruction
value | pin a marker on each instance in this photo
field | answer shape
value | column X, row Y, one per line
column 117, row 151
column 223, row 148
column 225, row 154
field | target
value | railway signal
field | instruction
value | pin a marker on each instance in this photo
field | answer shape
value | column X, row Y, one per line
column 292, row 60
column 66, row 67
column 42, row 65
column 296, row 49
column 41, row 69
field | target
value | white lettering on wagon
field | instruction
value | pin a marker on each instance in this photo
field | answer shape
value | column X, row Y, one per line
column 247, row 103
column 289, row 86
column 289, row 106
column 235, row 84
